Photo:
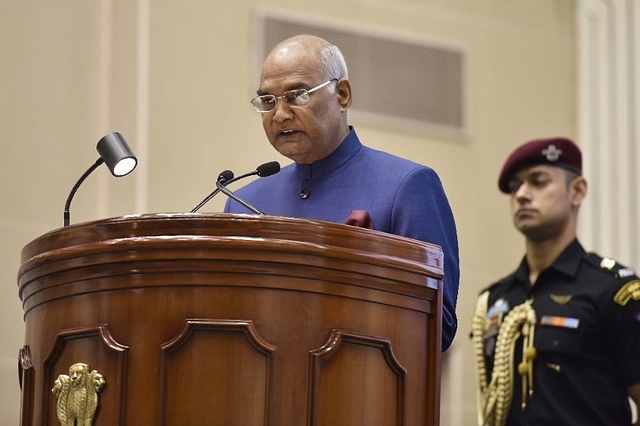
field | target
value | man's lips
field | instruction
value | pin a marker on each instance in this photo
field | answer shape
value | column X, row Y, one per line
column 288, row 132
column 525, row 212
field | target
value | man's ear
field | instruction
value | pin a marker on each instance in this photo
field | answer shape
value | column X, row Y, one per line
column 578, row 188
column 343, row 89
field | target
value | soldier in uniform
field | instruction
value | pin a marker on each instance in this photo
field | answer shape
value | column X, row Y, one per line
column 557, row 342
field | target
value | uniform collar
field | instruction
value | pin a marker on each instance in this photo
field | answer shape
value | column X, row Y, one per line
column 337, row 158
column 567, row 263
column 569, row 260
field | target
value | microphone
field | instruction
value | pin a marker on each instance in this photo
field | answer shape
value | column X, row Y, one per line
column 226, row 177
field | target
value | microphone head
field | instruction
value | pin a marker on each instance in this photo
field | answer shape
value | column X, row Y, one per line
column 225, row 176
column 268, row 169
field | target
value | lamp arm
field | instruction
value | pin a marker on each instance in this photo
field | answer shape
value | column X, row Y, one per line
column 95, row 165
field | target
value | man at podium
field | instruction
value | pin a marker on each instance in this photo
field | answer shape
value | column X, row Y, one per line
column 303, row 98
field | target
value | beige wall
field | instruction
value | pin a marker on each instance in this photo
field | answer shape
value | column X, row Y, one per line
column 75, row 70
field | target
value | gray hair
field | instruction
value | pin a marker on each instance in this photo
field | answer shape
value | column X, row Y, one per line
column 334, row 65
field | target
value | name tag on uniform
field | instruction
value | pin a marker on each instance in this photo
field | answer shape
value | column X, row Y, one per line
column 565, row 322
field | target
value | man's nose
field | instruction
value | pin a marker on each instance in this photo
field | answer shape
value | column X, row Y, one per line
column 523, row 192
column 282, row 111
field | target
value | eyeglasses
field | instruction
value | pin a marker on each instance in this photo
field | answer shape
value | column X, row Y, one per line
column 298, row 97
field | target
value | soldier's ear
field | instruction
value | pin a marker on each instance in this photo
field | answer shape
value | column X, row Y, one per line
column 578, row 190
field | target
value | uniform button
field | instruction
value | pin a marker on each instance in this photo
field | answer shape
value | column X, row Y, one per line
column 304, row 194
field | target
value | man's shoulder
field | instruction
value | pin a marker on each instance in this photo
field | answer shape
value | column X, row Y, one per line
column 396, row 167
column 389, row 158
column 622, row 281
column 610, row 267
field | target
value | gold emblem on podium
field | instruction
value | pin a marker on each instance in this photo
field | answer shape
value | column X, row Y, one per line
column 77, row 395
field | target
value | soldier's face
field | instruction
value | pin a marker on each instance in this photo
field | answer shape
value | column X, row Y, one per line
column 541, row 201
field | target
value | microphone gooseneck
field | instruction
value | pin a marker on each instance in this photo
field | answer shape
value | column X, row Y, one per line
column 233, row 196
column 226, row 177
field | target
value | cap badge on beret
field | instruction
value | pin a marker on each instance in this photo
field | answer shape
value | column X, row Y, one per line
column 552, row 153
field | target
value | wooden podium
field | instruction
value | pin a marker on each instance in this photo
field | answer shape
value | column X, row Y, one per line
column 232, row 320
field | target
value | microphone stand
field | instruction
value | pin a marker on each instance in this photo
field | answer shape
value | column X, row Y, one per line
column 215, row 191
column 230, row 194
column 226, row 177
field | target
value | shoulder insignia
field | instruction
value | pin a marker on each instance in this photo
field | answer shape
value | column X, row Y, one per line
column 607, row 263
column 626, row 272
column 630, row 290
column 611, row 266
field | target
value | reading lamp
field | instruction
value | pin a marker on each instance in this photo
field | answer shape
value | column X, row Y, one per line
column 116, row 154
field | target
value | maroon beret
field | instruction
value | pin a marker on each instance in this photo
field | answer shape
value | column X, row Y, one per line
column 560, row 152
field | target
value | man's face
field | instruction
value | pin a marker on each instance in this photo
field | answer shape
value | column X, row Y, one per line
column 541, row 201
column 310, row 132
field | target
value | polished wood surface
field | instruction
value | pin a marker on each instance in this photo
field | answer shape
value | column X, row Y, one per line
column 216, row 319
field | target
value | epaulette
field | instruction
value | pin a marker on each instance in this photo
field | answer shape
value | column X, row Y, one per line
column 630, row 284
column 611, row 266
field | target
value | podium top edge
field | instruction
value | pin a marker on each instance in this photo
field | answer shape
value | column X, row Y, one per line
column 201, row 225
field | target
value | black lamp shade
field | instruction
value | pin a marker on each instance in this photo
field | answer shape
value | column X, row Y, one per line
column 117, row 155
